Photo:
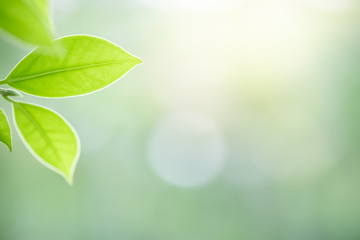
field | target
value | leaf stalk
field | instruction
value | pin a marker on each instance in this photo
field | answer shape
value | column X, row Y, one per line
column 6, row 93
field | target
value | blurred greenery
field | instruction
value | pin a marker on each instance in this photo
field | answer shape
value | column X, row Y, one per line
column 28, row 21
column 275, row 82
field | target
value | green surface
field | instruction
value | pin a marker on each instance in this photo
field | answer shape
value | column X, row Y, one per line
column 49, row 137
column 27, row 20
column 5, row 133
column 281, row 81
column 77, row 65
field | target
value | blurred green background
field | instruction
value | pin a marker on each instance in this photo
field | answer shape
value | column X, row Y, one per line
column 242, row 123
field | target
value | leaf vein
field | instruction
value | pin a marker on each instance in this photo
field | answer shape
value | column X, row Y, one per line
column 68, row 69
column 41, row 131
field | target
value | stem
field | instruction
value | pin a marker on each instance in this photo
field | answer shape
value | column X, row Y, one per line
column 6, row 93
column 8, row 99
column 2, row 81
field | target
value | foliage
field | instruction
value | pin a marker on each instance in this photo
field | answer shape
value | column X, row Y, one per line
column 5, row 133
column 68, row 66
column 27, row 20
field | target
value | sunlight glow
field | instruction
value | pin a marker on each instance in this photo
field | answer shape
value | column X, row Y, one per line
column 274, row 36
column 195, row 5
column 330, row 5
column 186, row 149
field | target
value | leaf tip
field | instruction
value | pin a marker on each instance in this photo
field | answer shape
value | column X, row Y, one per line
column 138, row 61
column 8, row 146
column 134, row 59
column 68, row 176
column 69, row 179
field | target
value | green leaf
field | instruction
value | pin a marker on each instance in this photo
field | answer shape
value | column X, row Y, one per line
column 5, row 133
column 85, row 64
column 28, row 20
column 49, row 137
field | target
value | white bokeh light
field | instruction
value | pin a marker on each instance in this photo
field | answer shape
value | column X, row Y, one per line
column 186, row 149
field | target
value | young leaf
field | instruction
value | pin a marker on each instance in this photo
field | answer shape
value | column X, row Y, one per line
column 27, row 19
column 5, row 133
column 85, row 64
column 48, row 137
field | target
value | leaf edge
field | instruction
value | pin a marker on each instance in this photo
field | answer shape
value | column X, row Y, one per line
column 68, row 178
column 138, row 62
column 9, row 146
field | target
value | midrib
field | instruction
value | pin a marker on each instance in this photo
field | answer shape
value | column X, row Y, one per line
column 68, row 69
column 41, row 130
